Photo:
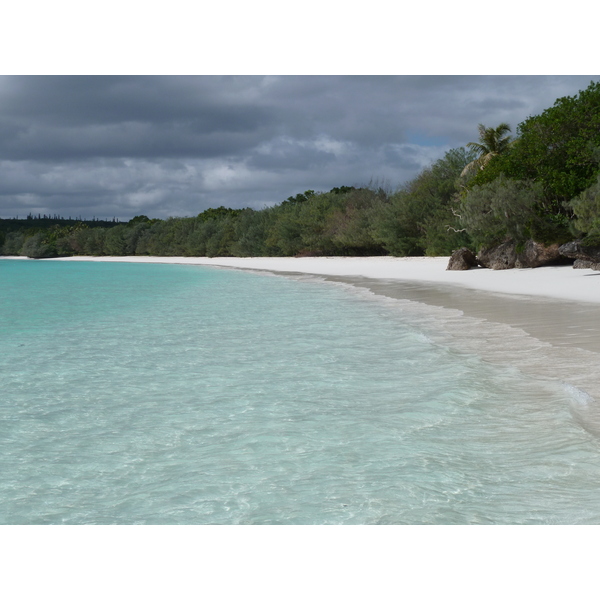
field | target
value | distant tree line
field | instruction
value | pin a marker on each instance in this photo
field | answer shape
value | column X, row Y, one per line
column 345, row 221
column 40, row 233
column 544, row 185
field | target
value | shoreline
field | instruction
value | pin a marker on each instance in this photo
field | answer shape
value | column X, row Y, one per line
column 558, row 304
column 543, row 322
column 556, row 282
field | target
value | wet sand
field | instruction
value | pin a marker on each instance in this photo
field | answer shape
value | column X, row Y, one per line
column 559, row 322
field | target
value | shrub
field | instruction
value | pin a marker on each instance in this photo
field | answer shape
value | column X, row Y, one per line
column 501, row 210
column 586, row 208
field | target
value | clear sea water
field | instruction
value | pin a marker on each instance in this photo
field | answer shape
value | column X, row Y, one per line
column 171, row 394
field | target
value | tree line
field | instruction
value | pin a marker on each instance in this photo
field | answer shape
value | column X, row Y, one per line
column 543, row 184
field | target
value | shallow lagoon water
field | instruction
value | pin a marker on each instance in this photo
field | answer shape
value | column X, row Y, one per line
column 170, row 394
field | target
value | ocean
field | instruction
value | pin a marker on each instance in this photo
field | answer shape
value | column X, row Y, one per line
column 174, row 394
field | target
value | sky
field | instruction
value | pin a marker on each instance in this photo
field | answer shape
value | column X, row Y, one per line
column 121, row 146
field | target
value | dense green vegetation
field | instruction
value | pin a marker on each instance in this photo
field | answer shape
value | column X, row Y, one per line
column 544, row 185
column 40, row 236
column 559, row 151
column 344, row 221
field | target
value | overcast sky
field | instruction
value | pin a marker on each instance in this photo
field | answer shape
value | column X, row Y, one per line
column 96, row 146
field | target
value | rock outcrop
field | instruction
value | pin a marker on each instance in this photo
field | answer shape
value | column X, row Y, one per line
column 462, row 260
column 534, row 254
column 503, row 256
column 581, row 263
column 586, row 257
column 537, row 255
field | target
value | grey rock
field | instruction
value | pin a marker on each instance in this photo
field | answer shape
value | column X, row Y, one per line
column 503, row 256
column 462, row 260
column 537, row 255
column 534, row 254
column 577, row 251
column 582, row 263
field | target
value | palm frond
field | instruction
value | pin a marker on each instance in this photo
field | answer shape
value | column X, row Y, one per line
column 492, row 141
column 481, row 149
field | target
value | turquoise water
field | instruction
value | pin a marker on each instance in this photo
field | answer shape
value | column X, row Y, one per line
column 171, row 394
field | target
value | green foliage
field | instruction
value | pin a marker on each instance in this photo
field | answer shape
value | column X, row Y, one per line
column 419, row 218
column 349, row 225
column 558, row 149
column 44, row 243
column 35, row 247
column 443, row 232
column 13, row 243
column 492, row 142
column 284, row 237
column 139, row 219
column 222, row 239
column 251, row 232
column 114, row 241
column 89, row 242
column 312, row 219
column 299, row 198
column 58, row 236
column 500, row 210
column 337, row 222
column 397, row 225
column 344, row 189
column 586, row 208
column 218, row 213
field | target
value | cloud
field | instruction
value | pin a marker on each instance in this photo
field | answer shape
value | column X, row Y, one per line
column 120, row 146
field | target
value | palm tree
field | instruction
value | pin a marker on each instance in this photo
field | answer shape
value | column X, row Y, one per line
column 491, row 143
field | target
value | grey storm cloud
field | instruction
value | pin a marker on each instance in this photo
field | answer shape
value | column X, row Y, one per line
column 176, row 145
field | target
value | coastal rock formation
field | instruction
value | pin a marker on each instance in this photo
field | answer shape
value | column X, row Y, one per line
column 533, row 254
column 586, row 257
column 578, row 251
column 582, row 263
column 503, row 256
column 537, row 255
column 462, row 260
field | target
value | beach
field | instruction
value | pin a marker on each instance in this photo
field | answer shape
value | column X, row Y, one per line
column 561, row 282
column 544, row 322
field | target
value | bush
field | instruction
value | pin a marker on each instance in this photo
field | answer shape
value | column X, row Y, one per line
column 36, row 247
column 13, row 243
column 501, row 210
column 586, row 208
column 557, row 148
